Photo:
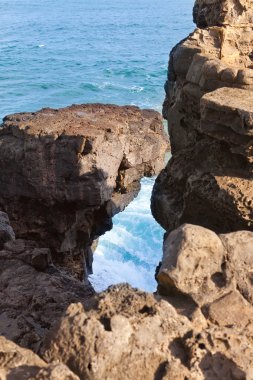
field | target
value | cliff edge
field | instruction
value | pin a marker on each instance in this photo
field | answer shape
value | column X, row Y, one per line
column 66, row 172
column 209, row 110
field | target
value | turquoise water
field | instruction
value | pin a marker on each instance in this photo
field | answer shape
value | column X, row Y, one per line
column 55, row 53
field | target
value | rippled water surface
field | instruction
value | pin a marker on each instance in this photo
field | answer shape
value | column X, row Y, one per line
column 55, row 53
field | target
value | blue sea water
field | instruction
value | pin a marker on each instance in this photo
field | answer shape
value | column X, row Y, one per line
column 54, row 53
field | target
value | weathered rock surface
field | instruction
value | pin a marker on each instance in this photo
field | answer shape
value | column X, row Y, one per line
column 125, row 336
column 222, row 12
column 214, row 273
column 200, row 328
column 65, row 173
column 33, row 292
column 208, row 106
column 17, row 363
column 129, row 334
column 208, row 267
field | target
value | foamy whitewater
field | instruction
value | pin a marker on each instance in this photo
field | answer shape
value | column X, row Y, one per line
column 54, row 53
column 132, row 249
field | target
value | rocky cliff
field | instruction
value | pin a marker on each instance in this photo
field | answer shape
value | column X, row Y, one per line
column 65, row 173
column 199, row 328
column 208, row 106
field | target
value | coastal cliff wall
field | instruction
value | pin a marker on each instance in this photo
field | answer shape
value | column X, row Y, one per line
column 208, row 106
column 65, row 173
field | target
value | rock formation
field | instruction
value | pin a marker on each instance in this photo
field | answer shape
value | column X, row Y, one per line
column 65, row 173
column 33, row 292
column 209, row 95
column 199, row 328
column 17, row 363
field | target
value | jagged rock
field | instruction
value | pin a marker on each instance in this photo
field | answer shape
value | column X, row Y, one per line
column 214, row 272
column 129, row 334
column 126, row 336
column 222, row 12
column 6, row 231
column 17, row 363
column 208, row 106
column 33, row 292
column 65, row 173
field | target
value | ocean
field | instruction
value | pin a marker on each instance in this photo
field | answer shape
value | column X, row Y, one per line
column 54, row 53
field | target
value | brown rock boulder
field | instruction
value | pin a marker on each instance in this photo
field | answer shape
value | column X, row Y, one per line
column 126, row 336
column 33, row 292
column 17, row 363
column 129, row 334
column 214, row 271
column 191, row 256
column 65, row 173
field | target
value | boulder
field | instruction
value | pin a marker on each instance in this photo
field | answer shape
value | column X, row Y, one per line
column 130, row 334
column 17, row 363
column 192, row 255
column 33, row 292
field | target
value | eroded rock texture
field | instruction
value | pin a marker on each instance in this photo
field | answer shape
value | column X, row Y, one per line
column 209, row 111
column 17, row 363
column 65, row 173
column 198, row 328
column 33, row 292
column 130, row 334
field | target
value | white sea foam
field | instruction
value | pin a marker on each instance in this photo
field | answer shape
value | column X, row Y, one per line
column 131, row 251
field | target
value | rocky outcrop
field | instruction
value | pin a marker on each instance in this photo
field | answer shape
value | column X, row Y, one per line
column 65, row 173
column 222, row 12
column 209, row 111
column 33, row 292
column 129, row 334
column 198, row 328
column 17, row 363
column 212, row 274
column 125, row 336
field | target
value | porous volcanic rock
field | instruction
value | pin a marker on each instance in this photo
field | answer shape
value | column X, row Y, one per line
column 222, row 12
column 199, row 327
column 208, row 105
column 125, row 336
column 17, row 363
column 209, row 267
column 33, row 292
column 66, row 172
column 132, row 335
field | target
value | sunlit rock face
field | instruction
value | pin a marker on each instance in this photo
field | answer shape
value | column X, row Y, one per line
column 222, row 12
column 199, row 327
column 208, row 106
column 66, row 172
